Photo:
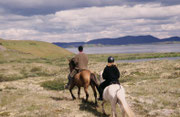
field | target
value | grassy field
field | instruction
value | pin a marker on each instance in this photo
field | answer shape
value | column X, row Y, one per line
column 34, row 87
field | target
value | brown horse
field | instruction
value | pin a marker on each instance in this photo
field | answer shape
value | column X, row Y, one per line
column 82, row 79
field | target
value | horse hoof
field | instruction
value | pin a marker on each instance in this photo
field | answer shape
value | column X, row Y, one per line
column 104, row 114
column 96, row 105
column 66, row 87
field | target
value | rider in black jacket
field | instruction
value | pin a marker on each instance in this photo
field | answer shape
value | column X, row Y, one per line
column 110, row 74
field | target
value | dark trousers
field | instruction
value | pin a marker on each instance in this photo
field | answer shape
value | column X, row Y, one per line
column 102, row 86
column 71, row 77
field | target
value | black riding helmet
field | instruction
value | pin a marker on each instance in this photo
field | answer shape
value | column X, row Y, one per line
column 110, row 59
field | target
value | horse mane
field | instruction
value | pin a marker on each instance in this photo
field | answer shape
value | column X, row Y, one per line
column 72, row 63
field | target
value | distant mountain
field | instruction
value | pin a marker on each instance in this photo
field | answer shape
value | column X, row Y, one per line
column 125, row 40
column 171, row 39
column 120, row 41
column 70, row 44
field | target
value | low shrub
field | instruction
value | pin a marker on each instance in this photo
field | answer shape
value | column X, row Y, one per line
column 10, row 77
column 57, row 84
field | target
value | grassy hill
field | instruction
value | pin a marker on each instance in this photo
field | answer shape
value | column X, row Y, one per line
column 28, row 49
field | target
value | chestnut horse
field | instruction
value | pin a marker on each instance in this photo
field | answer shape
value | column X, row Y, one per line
column 82, row 79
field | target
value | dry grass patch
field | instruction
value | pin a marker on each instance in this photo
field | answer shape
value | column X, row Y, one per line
column 156, row 87
column 15, row 71
column 152, row 89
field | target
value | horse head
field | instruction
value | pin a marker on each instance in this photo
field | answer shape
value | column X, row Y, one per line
column 72, row 64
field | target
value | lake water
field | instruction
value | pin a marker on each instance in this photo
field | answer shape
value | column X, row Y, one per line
column 147, row 48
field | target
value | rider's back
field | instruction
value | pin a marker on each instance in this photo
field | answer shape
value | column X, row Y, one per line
column 81, row 61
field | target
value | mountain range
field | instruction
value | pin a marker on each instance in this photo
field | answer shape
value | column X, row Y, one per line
column 147, row 39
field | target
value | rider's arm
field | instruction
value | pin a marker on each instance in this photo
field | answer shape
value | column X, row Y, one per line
column 105, row 74
column 76, row 60
column 117, row 73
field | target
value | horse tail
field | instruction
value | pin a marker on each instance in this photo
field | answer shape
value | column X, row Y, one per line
column 121, row 100
column 94, row 80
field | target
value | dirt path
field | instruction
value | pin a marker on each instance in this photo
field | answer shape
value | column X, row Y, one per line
column 27, row 98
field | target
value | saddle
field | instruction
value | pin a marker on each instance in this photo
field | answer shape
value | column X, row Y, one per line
column 114, row 82
column 76, row 71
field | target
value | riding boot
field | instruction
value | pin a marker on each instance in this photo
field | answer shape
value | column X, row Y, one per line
column 69, row 82
column 100, row 94
column 100, row 97
column 71, row 78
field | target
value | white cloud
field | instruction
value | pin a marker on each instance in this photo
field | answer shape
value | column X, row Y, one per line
column 14, row 34
column 93, row 22
column 40, row 7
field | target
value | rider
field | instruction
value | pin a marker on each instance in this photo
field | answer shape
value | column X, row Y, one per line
column 81, row 63
column 110, row 74
column 81, row 59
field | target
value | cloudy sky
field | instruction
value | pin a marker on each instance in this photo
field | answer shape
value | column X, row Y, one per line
column 83, row 20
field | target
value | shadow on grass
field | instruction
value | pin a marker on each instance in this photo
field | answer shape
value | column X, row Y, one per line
column 61, row 98
column 91, row 107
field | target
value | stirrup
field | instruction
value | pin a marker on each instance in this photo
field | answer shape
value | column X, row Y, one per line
column 100, row 99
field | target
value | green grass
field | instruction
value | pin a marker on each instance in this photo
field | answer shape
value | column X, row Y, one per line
column 57, row 84
column 16, row 71
column 31, row 49
column 10, row 77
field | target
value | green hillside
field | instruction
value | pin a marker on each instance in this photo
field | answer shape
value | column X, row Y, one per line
column 26, row 49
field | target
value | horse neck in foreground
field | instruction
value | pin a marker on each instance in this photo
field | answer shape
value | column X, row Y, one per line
column 116, row 94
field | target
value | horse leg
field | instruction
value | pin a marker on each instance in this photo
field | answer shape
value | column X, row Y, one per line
column 113, row 109
column 94, row 91
column 79, row 91
column 70, row 89
column 123, row 112
column 103, row 108
column 87, row 94
column 122, row 109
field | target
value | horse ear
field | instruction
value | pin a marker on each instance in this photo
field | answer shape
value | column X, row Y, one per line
column 68, row 59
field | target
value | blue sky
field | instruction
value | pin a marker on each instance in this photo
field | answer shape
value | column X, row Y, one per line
column 83, row 20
